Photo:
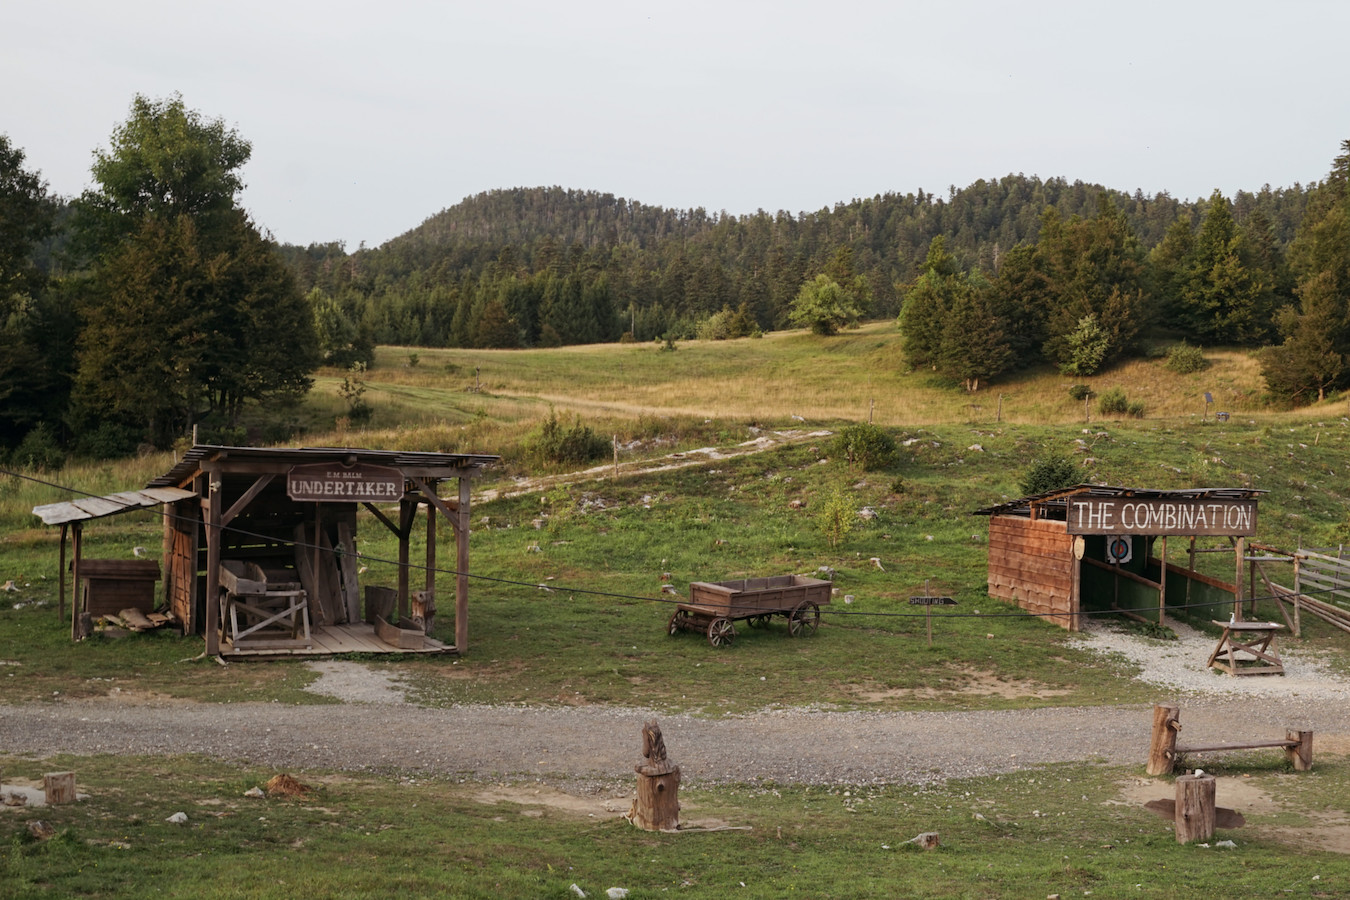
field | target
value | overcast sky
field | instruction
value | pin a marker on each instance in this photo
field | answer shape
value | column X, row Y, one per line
column 366, row 118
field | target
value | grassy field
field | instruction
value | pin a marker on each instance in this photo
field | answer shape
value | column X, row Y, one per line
column 566, row 608
column 1071, row 831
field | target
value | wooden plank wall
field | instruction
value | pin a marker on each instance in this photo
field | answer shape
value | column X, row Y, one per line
column 181, row 564
column 1031, row 564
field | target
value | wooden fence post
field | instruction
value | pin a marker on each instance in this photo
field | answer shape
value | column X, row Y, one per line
column 1195, row 808
column 1301, row 754
column 1162, row 748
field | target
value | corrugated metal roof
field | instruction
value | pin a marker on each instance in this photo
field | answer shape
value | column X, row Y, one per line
column 194, row 458
column 109, row 505
column 1054, row 504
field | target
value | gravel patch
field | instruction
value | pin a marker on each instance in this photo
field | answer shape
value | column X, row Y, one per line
column 352, row 682
column 592, row 749
column 1179, row 665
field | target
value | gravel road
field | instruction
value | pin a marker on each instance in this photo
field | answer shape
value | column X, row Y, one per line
column 374, row 730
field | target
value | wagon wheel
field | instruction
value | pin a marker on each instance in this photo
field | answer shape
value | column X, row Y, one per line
column 678, row 622
column 759, row 621
column 721, row 632
column 804, row 620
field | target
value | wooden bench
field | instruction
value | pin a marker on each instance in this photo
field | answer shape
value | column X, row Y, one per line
column 1163, row 750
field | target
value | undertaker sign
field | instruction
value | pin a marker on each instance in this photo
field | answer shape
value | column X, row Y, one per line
column 336, row 483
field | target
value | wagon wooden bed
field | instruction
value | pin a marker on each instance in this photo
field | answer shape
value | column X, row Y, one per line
column 714, row 606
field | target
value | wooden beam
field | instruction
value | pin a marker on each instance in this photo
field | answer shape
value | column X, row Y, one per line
column 383, row 518
column 447, row 509
column 1123, row 573
column 61, row 574
column 242, row 503
column 407, row 514
column 462, row 570
column 77, row 550
column 213, row 623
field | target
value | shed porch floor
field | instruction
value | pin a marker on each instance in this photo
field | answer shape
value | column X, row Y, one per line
column 330, row 640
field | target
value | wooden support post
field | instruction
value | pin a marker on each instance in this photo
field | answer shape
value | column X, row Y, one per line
column 213, row 509
column 429, row 584
column 1195, row 808
column 1162, row 750
column 61, row 574
column 462, row 569
column 1162, row 585
column 59, row 787
column 1298, row 598
column 1241, row 551
column 76, row 549
column 407, row 514
column 1300, row 755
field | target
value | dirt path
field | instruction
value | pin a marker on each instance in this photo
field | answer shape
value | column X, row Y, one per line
column 765, row 440
column 600, row 745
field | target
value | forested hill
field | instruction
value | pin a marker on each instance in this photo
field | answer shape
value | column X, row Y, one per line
column 657, row 271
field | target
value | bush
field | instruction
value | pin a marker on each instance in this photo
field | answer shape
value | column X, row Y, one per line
column 1135, row 409
column 1080, row 392
column 1185, row 359
column 1051, row 472
column 1113, row 403
column 837, row 516
column 39, row 449
column 866, row 446
column 558, row 444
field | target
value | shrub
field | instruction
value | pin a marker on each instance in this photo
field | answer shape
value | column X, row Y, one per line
column 39, row 449
column 560, row 444
column 1135, row 409
column 837, row 517
column 1087, row 346
column 1185, row 359
column 866, row 446
column 1080, row 392
column 1049, row 473
column 1113, row 403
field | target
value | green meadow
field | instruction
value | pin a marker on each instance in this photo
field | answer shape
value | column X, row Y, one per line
column 566, row 607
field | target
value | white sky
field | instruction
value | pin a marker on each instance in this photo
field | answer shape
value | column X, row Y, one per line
column 366, row 118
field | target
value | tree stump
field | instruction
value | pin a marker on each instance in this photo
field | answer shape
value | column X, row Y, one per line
column 1162, row 750
column 59, row 787
column 657, row 805
column 1195, row 808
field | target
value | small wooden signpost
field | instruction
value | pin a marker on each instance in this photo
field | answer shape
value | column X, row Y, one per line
column 928, row 603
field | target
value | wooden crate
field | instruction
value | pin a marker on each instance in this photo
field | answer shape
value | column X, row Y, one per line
column 112, row 585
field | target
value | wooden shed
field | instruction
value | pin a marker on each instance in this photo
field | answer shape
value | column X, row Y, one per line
column 260, row 556
column 1098, row 547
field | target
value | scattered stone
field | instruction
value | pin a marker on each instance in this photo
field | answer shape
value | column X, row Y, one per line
column 255, row 792
column 928, row 840
column 578, row 891
column 976, row 448
column 41, row 830
column 178, row 818
column 876, row 561
column 796, row 504
column 849, row 598
column 616, row 893
column 9, row 586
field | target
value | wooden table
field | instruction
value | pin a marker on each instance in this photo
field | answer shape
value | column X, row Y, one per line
column 1254, row 638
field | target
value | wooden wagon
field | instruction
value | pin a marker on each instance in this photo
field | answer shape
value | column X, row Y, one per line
column 714, row 606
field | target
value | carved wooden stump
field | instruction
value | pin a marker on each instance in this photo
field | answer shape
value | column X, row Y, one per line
column 1195, row 812
column 657, row 805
